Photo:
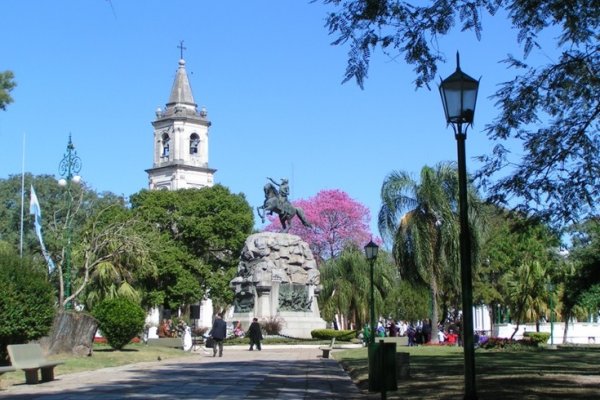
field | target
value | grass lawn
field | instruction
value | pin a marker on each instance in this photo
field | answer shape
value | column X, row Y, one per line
column 102, row 357
column 436, row 372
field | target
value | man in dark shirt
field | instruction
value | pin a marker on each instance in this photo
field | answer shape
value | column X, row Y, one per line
column 218, row 333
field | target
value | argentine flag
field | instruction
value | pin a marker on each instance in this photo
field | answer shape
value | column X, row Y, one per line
column 36, row 211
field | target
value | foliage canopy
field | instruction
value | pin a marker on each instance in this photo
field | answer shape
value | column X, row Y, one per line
column 553, row 110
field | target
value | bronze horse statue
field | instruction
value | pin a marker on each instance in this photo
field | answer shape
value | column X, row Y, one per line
column 283, row 208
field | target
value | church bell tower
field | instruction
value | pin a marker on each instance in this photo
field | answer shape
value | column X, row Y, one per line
column 180, row 141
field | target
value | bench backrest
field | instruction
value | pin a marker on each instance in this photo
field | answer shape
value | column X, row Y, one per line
column 332, row 342
column 25, row 355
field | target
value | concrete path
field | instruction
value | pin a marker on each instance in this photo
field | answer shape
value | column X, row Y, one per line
column 273, row 373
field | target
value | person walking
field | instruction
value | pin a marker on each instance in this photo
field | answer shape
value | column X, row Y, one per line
column 218, row 333
column 255, row 334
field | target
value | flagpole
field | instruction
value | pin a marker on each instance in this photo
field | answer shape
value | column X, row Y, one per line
column 22, row 196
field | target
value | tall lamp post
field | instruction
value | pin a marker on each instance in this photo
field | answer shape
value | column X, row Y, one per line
column 459, row 95
column 371, row 250
column 550, row 288
column 68, row 168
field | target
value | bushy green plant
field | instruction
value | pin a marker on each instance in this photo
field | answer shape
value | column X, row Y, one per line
column 538, row 338
column 26, row 301
column 119, row 320
column 328, row 334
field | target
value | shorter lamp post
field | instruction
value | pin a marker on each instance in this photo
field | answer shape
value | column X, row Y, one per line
column 371, row 250
column 376, row 372
column 459, row 95
column 550, row 287
column 69, row 167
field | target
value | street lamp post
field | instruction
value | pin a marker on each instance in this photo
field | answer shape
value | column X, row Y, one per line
column 68, row 168
column 550, row 288
column 459, row 95
column 371, row 250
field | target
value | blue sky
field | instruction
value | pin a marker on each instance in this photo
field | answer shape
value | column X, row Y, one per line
column 265, row 71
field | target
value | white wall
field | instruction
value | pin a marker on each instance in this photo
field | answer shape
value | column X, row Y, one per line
column 579, row 332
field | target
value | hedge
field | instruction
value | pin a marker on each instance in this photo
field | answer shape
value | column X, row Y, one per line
column 328, row 334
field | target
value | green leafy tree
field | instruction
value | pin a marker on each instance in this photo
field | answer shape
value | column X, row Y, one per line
column 7, row 84
column 346, row 284
column 511, row 242
column 408, row 301
column 117, row 255
column 206, row 229
column 580, row 284
column 553, row 110
column 420, row 220
column 590, row 300
column 119, row 320
column 103, row 234
column 27, row 300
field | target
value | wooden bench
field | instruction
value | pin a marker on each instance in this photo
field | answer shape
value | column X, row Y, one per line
column 30, row 359
column 399, row 340
column 166, row 342
column 4, row 370
column 327, row 349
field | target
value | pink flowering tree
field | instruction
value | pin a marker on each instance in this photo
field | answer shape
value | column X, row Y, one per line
column 336, row 219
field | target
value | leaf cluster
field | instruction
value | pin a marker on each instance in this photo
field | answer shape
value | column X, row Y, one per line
column 7, row 84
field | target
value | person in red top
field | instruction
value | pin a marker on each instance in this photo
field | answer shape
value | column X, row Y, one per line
column 452, row 337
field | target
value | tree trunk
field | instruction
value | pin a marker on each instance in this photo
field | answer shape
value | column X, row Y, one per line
column 515, row 331
column 566, row 330
column 72, row 332
column 434, row 313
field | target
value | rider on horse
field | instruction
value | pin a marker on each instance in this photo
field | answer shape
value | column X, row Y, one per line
column 276, row 201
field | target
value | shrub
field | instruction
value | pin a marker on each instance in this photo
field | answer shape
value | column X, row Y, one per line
column 327, row 334
column 508, row 344
column 26, row 302
column 538, row 338
column 119, row 320
column 272, row 326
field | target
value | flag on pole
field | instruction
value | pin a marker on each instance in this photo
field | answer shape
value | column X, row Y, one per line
column 36, row 211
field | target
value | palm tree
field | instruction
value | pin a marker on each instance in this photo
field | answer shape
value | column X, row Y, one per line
column 346, row 286
column 527, row 293
column 420, row 220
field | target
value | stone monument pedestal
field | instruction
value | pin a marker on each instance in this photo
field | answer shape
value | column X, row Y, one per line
column 278, row 279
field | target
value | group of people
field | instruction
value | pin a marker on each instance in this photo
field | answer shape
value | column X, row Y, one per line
column 168, row 329
column 218, row 333
column 418, row 333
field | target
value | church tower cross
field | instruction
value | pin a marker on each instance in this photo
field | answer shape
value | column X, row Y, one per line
column 181, row 49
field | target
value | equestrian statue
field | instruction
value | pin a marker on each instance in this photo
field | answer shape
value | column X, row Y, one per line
column 276, row 201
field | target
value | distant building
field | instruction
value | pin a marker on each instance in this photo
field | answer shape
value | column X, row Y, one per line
column 180, row 141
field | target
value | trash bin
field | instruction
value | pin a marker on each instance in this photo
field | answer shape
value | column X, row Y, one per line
column 382, row 367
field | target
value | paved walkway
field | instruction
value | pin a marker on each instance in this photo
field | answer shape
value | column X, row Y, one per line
column 273, row 373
